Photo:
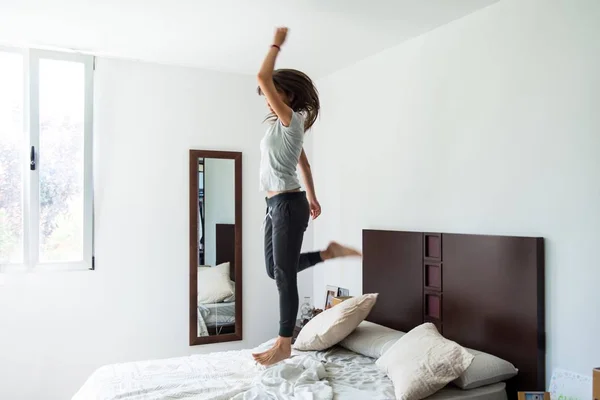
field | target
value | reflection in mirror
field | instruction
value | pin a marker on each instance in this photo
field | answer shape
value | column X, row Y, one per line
column 218, row 245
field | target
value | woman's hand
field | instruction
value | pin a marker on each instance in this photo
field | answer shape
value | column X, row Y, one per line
column 304, row 165
column 280, row 35
column 315, row 208
column 265, row 80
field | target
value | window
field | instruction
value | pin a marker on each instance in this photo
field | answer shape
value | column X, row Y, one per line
column 46, row 207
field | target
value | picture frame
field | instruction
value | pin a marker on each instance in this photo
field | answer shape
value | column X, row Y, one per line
column 343, row 292
column 330, row 293
column 534, row 396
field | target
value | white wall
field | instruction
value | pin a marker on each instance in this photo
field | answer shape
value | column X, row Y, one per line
column 487, row 125
column 56, row 328
column 219, row 192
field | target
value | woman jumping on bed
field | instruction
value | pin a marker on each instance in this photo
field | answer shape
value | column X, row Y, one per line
column 294, row 104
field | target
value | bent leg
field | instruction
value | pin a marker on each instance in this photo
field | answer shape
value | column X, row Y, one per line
column 308, row 260
column 334, row 250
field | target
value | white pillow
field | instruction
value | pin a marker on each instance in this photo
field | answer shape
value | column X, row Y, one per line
column 333, row 325
column 422, row 362
column 485, row 369
column 213, row 285
column 371, row 340
column 231, row 298
column 224, row 268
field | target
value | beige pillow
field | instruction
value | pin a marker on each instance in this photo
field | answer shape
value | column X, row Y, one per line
column 485, row 369
column 422, row 362
column 371, row 340
column 224, row 268
column 333, row 325
column 213, row 284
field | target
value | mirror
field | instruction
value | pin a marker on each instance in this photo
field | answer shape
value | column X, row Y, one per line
column 215, row 246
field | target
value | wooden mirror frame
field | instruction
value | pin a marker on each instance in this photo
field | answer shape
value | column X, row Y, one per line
column 193, row 247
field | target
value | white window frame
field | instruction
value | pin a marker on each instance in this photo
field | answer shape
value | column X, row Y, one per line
column 31, row 179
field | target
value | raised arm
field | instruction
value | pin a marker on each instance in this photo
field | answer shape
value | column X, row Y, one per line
column 304, row 166
column 265, row 79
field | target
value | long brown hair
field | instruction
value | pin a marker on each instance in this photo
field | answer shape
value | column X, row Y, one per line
column 301, row 93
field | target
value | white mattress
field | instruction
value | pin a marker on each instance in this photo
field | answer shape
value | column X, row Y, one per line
column 334, row 374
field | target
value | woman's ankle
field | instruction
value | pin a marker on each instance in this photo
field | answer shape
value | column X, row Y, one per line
column 284, row 342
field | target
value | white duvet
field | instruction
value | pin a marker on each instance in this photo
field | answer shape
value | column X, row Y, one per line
column 202, row 328
column 337, row 374
column 216, row 376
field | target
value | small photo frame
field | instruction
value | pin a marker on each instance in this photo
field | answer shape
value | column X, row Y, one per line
column 343, row 292
column 332, row 292
column 534, row 395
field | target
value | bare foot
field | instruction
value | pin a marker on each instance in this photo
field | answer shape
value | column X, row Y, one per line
column 281, row 350
column 336, row 250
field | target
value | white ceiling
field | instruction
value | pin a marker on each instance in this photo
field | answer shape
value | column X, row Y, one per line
column 231, row 35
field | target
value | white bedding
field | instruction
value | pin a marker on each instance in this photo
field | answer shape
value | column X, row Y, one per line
column 215, row 314
column 201, row 327
column 330, row 375
column 215, row 376
column 218, row 313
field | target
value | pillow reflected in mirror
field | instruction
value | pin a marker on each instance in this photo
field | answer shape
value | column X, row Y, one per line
column 214, row 284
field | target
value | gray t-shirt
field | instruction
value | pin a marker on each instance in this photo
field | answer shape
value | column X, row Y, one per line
column 280, row 151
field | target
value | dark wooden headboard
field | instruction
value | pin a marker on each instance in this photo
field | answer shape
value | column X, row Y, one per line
column 225, row 234
column 484, row 292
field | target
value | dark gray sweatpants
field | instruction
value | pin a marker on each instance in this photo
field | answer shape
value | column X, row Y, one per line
column 285, row 224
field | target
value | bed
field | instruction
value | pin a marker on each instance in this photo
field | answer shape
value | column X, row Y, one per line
column 484, row 292
column 333, row 374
